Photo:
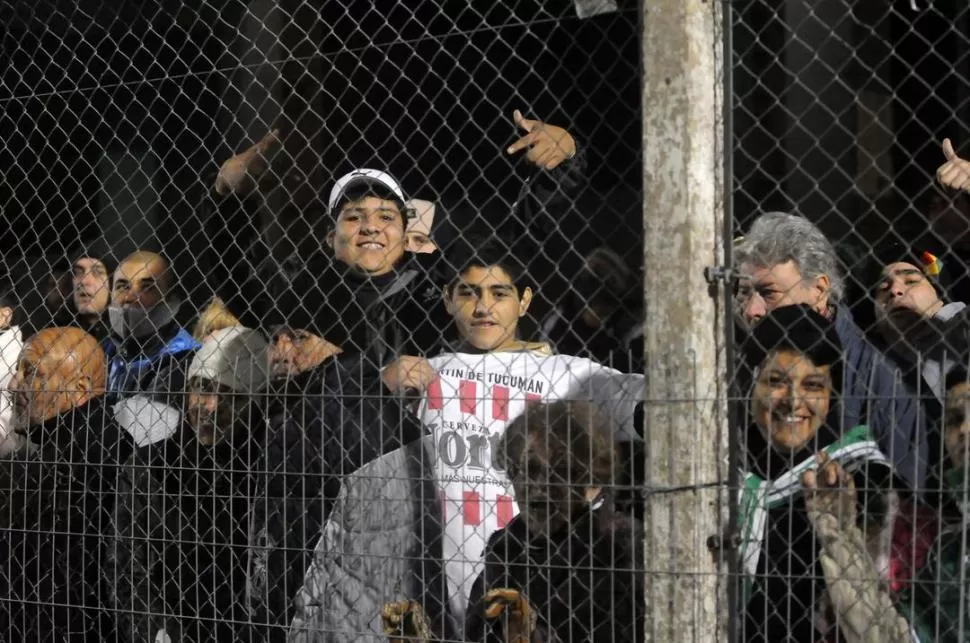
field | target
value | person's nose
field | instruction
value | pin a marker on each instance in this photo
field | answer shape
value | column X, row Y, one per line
column 483, row 306
column 754, row 309
column 896, row 289
column 370, row 224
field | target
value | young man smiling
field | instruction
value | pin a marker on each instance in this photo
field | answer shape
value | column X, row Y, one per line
column 361, row 290
column 471, row 395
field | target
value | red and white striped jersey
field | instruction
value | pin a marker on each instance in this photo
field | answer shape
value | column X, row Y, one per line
column 466, row 410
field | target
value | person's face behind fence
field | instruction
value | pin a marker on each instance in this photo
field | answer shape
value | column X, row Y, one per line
column 540, row 476
column 956, row 424
column 791, row 399
column 369, row 235
column 142, row 281
column 904, row 296
column 763, row 289
column 48, row 381
column 487, row 306
column 91, row 288
column 216, row 413
column 297, row 351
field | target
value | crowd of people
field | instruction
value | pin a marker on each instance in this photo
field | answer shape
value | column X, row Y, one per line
column 358, row 442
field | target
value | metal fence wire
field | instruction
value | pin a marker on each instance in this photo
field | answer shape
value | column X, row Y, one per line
column 849, row 122
column 311, row 326
column 329, row 321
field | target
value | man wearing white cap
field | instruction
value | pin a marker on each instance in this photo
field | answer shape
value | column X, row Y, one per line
column 362, row 292
column 184, row 515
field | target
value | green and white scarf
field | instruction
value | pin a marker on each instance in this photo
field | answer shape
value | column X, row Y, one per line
column 758, row 496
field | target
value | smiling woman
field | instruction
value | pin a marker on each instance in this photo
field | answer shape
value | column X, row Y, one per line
column 796, row 363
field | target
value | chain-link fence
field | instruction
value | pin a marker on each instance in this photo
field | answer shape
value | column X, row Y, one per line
column 326, row 321
column 321, row 321
column 851, row 318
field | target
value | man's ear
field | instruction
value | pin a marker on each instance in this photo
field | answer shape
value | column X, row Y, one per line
column 6, row 317
column 525, row 301
column 822, row 286
column 83, row 387
column 330, row 236
column 450, row 307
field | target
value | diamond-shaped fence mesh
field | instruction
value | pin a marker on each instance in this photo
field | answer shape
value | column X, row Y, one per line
column 321, row 321
column 325, row 321
column 850, row 208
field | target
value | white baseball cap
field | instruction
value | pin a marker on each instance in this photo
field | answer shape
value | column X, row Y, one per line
column 366, row 176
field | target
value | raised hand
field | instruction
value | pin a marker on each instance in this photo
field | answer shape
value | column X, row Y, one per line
column 548, row 145
column 830, row 490
column 955, row 172
column 409, row 372
column 519, row 620
column 405, row 621
column 238, row 175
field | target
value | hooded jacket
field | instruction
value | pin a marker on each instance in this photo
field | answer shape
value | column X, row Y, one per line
column 181, row 540
column 156, row 367
column 57, row 505
column 381, row 543
column 398, row 313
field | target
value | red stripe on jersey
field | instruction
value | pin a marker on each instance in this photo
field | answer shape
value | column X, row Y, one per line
column 471, row 508
column 500, row 403
column 503, row 508
column 467, row 396
column 435, row 399
column 532, row 397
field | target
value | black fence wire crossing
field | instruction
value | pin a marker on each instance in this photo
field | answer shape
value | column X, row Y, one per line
column 344, row 321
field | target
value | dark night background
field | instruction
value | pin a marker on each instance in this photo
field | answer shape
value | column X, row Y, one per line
column 113, row 114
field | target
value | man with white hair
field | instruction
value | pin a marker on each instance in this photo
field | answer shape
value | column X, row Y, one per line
column 183, row 525
column 783, row 260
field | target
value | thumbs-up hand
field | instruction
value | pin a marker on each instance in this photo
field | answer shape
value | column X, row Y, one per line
column 548, row 145
column 238, row 174
column 955, row 173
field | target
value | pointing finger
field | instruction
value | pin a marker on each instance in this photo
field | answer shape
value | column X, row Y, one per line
column 526, row 141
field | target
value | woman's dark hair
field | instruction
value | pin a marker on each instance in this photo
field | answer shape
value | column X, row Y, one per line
column 488, row 254
column 570, row 437
column 801, row 329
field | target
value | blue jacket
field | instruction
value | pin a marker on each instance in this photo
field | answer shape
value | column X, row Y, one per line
column 875, row 394
column 159, row 372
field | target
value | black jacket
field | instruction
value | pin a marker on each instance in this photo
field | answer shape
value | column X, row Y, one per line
column 56, row 507
column 181, row 545
column 585, row 582
column 399, row 313
column 345, row 421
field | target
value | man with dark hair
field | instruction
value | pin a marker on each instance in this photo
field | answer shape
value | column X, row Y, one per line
column 470, row 396
column 148, row 350
column 366, row 295
column 91, row 273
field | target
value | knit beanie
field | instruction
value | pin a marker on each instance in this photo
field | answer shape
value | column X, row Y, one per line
column 235, row 357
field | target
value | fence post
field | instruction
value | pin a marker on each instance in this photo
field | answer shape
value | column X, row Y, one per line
column 686, row 427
